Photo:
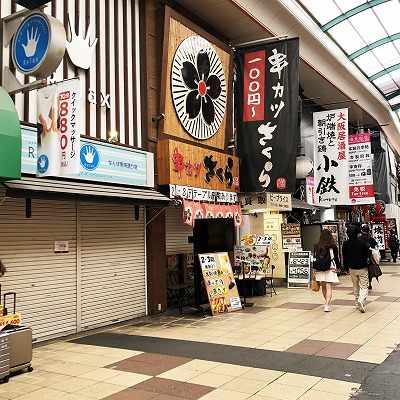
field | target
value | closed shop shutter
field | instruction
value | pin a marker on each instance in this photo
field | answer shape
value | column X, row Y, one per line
column 45, row 281
column 113, row 285
column 177, row 232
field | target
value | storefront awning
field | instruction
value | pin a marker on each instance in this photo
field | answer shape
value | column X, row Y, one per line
column 51, row 189
column 296, row 203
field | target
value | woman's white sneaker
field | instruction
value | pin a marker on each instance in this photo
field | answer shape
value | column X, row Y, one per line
column 327, row 308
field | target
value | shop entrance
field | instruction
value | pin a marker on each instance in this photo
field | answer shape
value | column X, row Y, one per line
column 210, row 236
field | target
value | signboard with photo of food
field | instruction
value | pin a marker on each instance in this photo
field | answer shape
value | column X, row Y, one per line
column 220, row 283
column 254, row 259
column 248, row 240
column 291, row 236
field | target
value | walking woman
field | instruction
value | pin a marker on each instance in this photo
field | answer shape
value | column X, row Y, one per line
column 325, row 243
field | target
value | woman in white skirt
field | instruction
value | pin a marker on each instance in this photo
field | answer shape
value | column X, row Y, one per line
column 327, row 278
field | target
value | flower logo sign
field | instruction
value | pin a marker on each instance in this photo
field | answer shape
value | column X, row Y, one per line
column 198, row 87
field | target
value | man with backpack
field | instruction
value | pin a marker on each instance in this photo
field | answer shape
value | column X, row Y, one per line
column 393, row 243
column 371, row 242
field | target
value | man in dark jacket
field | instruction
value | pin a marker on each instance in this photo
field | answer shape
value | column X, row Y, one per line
column 393, row 243
column 356, row 254
column 371, row 242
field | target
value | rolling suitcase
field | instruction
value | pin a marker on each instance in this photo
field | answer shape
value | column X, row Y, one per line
column 20, row 342
column 4, row 357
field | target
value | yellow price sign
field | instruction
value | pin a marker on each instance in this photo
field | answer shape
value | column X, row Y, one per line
column 13, row 319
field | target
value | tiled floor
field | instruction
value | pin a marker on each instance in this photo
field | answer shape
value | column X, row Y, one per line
column 284, row 347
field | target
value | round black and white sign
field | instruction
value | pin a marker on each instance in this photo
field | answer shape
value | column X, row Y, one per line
column 198, row 87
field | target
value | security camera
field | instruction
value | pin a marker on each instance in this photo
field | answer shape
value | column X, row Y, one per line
column 158, row 118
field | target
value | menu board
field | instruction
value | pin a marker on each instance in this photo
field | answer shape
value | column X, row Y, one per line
column 291, row 236
column 254, row 259
column 299, row 267
column 220, row 283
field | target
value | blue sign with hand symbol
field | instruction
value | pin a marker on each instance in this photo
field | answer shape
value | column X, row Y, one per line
column 90, row 157
column 31, row 43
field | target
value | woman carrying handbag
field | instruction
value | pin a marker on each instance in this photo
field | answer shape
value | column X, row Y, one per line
column 326, row 244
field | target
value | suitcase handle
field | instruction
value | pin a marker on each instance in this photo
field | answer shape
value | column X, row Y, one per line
column 14, row 294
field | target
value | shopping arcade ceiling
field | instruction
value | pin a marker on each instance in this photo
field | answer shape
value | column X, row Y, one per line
column 368, row 32
column 250, row 20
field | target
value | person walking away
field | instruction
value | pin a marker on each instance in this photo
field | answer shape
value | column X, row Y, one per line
column 325, row 243
column 393, row 243
column 356, row 254
column 371, row 242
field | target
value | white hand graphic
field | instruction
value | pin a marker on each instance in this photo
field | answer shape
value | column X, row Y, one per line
column 89, row 156
column 30, row 47
column 79, row 49
column 42, row 162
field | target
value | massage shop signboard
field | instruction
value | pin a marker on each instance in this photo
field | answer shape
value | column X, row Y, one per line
column 220, row 283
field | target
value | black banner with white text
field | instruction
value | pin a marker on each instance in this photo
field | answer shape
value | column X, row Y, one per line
column 267, row 115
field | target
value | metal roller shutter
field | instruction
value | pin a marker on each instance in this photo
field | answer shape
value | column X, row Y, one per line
column 113, row 285
column 177, row 231
column 45, row 281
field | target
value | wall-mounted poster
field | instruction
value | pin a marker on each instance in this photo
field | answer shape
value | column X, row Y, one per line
column 220, row 283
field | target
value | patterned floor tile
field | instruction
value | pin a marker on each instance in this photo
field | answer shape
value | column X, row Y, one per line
column 149, row 363
column 130, row 394
column 174, row 388
column 338, row 350
column 308, row 346
column 388, row 299
column 299, row 306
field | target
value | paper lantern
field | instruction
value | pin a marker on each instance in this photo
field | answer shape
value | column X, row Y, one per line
column 378, row 208
column 304, row 166
column 364, row 208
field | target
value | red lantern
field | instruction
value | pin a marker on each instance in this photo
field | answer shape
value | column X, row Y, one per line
column 378, row 208
column 364, row 208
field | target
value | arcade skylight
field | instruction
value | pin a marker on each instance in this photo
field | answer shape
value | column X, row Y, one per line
column 368, row 32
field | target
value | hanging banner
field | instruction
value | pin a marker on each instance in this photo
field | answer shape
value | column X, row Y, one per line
column 267, row 103
column 58, row 134
column 310, row 192
column 331, row 159
column 361, row 184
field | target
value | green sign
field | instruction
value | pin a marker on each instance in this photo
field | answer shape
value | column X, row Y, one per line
column 10, row 138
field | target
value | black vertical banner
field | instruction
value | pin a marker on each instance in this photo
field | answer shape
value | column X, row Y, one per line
column 267, row 114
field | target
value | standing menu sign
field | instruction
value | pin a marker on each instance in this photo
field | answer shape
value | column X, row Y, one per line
column 220, row 283
column 299, row 269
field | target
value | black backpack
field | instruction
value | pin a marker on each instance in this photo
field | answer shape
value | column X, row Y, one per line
column 322, row 263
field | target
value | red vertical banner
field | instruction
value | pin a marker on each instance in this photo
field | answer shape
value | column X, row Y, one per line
column 254, row 86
